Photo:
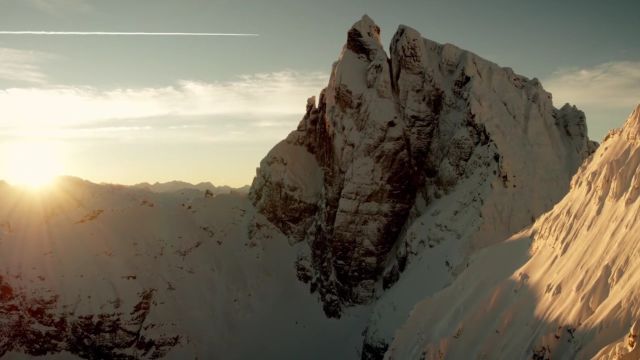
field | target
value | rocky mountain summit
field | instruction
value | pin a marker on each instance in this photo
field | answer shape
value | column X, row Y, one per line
column 405, row 152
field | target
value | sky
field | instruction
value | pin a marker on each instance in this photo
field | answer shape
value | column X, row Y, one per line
column 128, row 109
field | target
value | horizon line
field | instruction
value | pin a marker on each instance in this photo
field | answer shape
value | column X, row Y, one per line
column 120, row 33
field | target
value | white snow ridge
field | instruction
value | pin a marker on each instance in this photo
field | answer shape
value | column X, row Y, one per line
column 430, row 205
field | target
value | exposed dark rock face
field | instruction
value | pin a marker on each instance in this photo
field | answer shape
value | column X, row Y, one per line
column 388, row 137
column 34, row 325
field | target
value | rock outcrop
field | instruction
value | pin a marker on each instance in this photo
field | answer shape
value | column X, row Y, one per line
column 430, row 129
column 34, row 325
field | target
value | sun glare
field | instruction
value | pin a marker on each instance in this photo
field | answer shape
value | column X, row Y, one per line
column 31, row 164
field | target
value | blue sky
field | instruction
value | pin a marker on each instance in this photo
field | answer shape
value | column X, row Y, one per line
column 130, row 109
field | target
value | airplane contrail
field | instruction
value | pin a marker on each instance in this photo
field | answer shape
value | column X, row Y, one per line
column 111, row 33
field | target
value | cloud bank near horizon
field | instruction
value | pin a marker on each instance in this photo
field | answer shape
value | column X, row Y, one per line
column 260, row 107
column 606, row 92
column 23, row 66
column 268, row 98
column 612, row 84
column 272, row 99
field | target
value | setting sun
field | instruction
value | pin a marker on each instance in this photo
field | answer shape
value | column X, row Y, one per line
column 31, row 164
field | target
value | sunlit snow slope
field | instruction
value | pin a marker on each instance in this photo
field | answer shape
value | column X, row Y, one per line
column 567, row 287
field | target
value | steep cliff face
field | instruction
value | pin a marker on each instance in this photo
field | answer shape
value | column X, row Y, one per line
column 430, row 135
column 567, row 287
column 367, row 187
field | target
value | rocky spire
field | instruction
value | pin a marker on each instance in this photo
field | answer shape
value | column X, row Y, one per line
column 391, row 136
column 364, row 38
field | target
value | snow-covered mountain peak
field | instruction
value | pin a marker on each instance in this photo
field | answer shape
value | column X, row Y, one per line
column 367, row 28
column 401, row 152
column 636, row 113
column 632, row 125
column 407, row 49
column 364, row 39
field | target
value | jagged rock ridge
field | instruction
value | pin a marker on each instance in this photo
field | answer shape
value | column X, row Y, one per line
column 392, row 138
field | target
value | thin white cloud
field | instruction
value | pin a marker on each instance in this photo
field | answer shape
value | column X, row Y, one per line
column 115, row 33
column 263, row 96
column 614, row 84
column 58, row 7
column 23, row 65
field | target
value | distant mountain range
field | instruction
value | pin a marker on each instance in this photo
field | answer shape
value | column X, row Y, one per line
column 176, row 186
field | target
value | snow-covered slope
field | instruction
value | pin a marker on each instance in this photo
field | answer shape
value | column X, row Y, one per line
column 567, row 287
column 103, row 271
column 406, row 165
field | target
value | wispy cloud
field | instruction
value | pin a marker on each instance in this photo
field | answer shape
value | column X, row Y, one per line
column 613, row 84
column 23, row 65
column 58, row 7
column 266, row 98
column 116, row 33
